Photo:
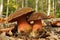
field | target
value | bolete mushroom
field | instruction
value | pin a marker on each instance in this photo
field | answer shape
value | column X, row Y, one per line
column 37, row 18
column 55, row 23
column 20, row 16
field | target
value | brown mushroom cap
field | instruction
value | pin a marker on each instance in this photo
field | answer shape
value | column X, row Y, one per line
column 37, row 16
column 13, row 17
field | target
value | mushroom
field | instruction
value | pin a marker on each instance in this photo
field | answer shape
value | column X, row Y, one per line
column 37, row 18
column 20, row 16
column 55, row 23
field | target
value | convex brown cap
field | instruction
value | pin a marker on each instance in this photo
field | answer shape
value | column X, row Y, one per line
column 20, row 12
column 37, row 16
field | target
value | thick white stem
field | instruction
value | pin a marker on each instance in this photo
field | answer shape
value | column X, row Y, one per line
column 48, row 13
column 36, row 5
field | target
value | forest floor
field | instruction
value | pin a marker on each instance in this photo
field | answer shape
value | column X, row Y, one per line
column 54, row 34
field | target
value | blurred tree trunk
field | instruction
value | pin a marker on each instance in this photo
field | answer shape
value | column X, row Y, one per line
column 19, row 4
column 1, row 8
column 49, row 6
column 53, row 7
column 16, row 4
column 36, row 5
column 7, row 10
column 26, row 3
column 22, row 3
column 42, row 4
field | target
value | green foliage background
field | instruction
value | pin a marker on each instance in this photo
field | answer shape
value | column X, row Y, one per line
column 13, row 5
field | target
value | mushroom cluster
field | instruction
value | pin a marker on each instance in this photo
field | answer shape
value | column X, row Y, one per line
column 24, row 16
column 21, row 16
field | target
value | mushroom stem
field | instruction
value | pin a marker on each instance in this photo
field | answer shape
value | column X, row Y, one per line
column 23, row 25
column 37, row 28
column 37, row 25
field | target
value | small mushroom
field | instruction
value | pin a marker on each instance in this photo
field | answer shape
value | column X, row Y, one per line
column 37, row 18
column 20, row 16
column 55, row 23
